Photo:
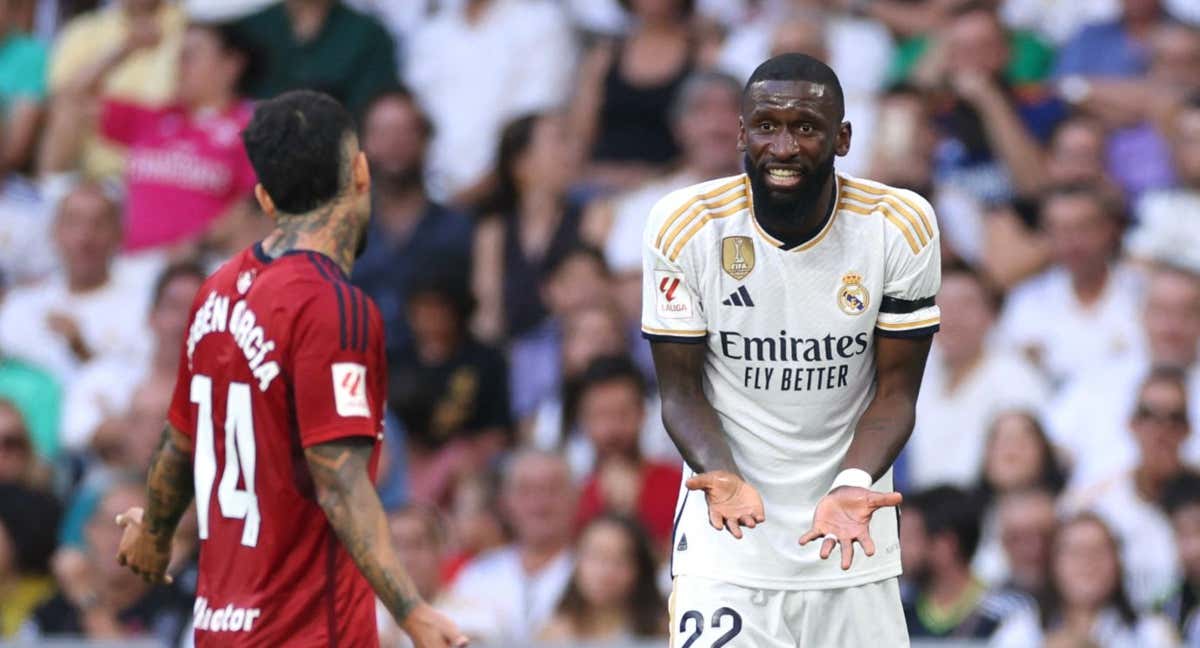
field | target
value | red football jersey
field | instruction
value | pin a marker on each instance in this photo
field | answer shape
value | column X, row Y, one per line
column 281, row 355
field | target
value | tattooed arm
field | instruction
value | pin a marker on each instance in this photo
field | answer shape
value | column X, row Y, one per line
column 146, row 541
column 346, row 494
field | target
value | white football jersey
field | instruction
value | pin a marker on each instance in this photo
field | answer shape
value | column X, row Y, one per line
column 790, row 365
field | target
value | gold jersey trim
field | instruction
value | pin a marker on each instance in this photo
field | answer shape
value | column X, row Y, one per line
column 693, row 206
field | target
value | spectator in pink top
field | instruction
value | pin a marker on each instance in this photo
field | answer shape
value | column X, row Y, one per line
column 185, row 166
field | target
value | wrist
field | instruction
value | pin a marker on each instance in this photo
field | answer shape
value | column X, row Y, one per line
column 855, row 477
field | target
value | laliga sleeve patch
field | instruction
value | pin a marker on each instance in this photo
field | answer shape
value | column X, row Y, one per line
column 350, row 389
column 672, row 297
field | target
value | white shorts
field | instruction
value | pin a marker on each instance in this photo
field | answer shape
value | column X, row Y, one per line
column 707, row 613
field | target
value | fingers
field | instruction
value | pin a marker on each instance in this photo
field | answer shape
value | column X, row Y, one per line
column 812, row 534
column 734, row 528
column 748, row 521
column 716, row 519
column 847, row 554
column 827, row 547
column 868, row 545
column 703, row 481
column 880, row 500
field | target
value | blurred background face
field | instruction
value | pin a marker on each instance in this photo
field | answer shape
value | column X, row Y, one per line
column 395, row 142
column 611, row 414
column 578, row 281
column 416, row 538
column 1027, row 523
column 967, row 317
column 1186, row 524
column 607, row 568
column 169, row 317
column 473, row 518
column 104, row 536
column 16, row 453
column 1175, row 56
column 977, row 44
column 1081, row 235
column 1160, row 425
column 1076, row 153
column 588, row 334
column 139, row 6
column 1171, row 318
column 87, row 233
column 914, row 545
column 803, row 35
column 207, row 71
column 1140, row 9
column 657, row 11
column 539, row 500
column 708, row 129
column 1015, row 457
column 1085, row 567
column 434, row 321
column 547, row 160
column 1186, row 146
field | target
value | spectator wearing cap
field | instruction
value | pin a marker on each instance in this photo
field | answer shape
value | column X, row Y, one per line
column 140, row 41
column 1181, row 500
column 409, row 233
column 28, row 520
column 321, row 45
column 449, row 391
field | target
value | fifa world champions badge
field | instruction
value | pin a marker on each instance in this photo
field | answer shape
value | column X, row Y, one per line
column 737, row 256
column 852, row 296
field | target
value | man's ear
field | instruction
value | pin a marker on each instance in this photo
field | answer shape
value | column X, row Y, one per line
column 264, row 200
column 741, row 141
column 843, row 139
column 362, row 173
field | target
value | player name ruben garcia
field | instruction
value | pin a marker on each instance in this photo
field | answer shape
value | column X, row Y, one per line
column 784, row 348
column 215, row 316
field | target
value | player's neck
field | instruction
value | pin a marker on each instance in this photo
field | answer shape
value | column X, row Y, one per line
column 321, row 230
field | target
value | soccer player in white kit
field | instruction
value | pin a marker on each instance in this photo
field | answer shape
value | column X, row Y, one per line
column 790, row 311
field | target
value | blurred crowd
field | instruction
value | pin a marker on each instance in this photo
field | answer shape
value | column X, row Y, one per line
column 516, row 147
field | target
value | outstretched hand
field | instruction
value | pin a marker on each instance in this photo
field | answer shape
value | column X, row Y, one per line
column 141, row 551
column 843, row 517
column 732, row 503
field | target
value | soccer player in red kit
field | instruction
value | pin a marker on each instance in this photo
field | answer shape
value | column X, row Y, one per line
column 277, row 418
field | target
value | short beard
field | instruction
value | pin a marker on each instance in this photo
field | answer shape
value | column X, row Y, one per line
column 784, row 208
column 411, row 178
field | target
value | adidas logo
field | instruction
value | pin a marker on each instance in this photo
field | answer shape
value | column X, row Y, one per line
column 740, row 297
column 682, row 546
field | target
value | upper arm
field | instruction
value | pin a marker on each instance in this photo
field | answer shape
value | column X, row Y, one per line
column 913, row 271
column 680, row 369
column 900, row 365
column 338, row 466
column 672, row 310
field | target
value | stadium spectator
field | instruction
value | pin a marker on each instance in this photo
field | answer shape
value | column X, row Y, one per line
column 1166, row 228
column 477, row 65
column 991, row 132
column 28, row 520
column 475, row 525
column 1026, row 521
column 1086, row 603
column 527, row 224
column 185, row 165
column 1089, row 418
column 84, row 311
column 575, row 280
column 420, row 538
column 22, row 89
column 410, row 234
column 100, row 599
column 104, row 388
column 1056, row 22
column 1113, row 48
column 142, row 39
column 704, row 123
column 321, row 45
column 612, row 595
column 38, row 400
column 620, row 114
column 1181, row 500
column 1129, row 502
column 1076, row 155
column 450, row 391
column 18, row 463
column 609, row 409
column 1080, row 313
column 948, row 600
column 1018, row 458
column 505, row 595
column 967, row 383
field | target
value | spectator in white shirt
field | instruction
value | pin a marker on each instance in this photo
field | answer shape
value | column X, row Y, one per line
column 103, row 389
column 967, row 383
column 1129, row 501
column 1087, row 420
column 84, row 311
column 1082, row 311
column 504, row 596
column 1026, row 521
column 1168, row 228
column 477, row 67
column 1181, row 499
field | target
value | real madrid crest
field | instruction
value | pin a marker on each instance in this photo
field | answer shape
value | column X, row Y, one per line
column 853, row 297
column 737, row 256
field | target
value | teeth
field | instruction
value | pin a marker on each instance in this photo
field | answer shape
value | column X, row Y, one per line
column 783, row 173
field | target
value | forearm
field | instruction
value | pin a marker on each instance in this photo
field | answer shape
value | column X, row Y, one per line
column 350, row 503
column 1019, row 151
column 880, row 435
column 170, row 487
column 91, row 77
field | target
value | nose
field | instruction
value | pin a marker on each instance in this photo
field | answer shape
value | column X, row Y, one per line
column 785, row 145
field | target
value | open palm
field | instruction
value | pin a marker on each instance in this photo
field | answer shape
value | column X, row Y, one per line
column 843, row 517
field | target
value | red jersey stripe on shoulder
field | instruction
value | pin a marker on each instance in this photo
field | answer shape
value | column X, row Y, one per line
column 354, row 332
column 337, row 287
column 366, row 318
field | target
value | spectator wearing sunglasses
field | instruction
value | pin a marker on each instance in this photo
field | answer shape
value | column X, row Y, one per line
column 1130, row 501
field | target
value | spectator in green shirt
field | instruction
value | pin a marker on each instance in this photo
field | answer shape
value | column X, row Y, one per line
column 22, row 88
column 321, row 45
column 37, row 397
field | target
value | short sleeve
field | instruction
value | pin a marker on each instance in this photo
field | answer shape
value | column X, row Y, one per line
column 913, row 272
column 121, row 121
column 671, row 307
column 180, row 413
column 335, row 355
